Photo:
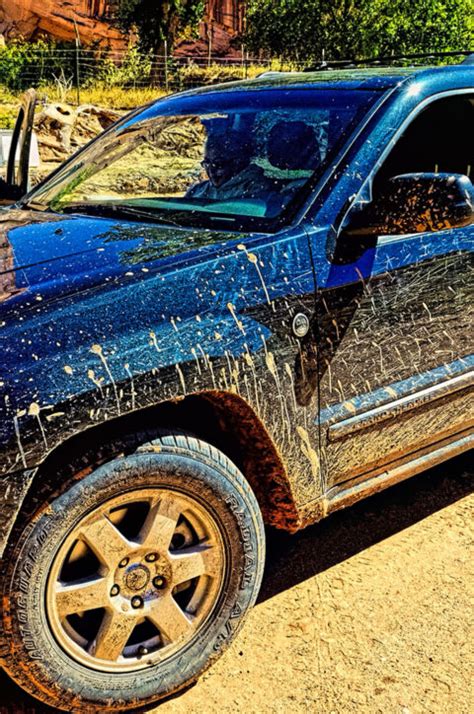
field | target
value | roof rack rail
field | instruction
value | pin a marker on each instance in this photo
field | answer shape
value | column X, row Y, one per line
column 388, row 59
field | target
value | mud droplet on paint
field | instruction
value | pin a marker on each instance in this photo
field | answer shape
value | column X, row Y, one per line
column 308, row 450
column 34, row 409
column 239, row 324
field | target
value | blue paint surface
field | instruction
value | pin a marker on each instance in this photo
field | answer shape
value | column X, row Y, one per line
column 98, row 319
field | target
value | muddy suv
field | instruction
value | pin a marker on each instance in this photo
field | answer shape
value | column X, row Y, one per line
column 238, row 306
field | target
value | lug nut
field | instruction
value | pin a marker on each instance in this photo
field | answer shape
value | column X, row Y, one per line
column 151, row 557
column 159, row 581
column 137, row 602
column 123, row 563
column 114, row 590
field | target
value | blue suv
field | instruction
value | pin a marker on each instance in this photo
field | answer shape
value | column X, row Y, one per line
column 242, row 305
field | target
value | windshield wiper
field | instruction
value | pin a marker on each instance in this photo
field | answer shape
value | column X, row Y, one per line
column 117, row 211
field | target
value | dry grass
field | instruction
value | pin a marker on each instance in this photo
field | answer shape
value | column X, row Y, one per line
column 116, row 97
column 110, row 97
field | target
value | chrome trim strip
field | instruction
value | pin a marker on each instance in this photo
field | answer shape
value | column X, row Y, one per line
column 349, row 426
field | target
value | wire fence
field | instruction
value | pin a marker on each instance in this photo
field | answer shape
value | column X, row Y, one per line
column 79, row 68
column 38, row 65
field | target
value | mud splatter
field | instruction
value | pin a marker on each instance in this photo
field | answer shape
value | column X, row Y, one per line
column 308, row 451
column 239, row 324
column 290, row 375
column 97, row 350
column 34, row 410
column 181, row 378
column 132, row 384
column 194, row 354
column 18, row 439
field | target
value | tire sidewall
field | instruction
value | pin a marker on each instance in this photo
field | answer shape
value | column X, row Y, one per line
column 68, row 684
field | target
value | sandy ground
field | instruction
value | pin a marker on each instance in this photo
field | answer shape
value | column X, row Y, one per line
column 368, row 611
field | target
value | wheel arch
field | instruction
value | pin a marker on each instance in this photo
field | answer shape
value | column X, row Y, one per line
column 221, row 418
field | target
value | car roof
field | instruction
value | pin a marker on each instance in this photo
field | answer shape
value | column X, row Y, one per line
column 380, row 78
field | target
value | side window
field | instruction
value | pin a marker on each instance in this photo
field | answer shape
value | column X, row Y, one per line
column 440, row 140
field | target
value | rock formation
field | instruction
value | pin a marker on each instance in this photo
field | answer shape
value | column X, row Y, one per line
column 31, row 19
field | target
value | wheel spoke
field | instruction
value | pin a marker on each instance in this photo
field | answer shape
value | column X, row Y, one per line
column 170, row 619
column 79, row 597
column 109, row 545
column 191, row 562
column 113, row 634
column 161, row 523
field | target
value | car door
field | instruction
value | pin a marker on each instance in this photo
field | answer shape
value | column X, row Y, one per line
column 394, row 322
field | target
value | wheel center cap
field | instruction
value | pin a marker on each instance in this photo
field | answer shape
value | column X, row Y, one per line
column 137, row 578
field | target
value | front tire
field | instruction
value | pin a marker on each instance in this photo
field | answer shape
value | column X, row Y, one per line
column 134, row 580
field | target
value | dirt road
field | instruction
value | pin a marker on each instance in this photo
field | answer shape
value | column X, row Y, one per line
column 368, row 611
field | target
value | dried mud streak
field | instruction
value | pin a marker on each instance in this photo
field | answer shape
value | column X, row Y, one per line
column 260, row 456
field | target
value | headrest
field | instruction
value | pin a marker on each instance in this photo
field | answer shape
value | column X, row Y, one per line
column 292, row 145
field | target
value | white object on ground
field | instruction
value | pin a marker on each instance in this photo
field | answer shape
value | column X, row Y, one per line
column 5, row 142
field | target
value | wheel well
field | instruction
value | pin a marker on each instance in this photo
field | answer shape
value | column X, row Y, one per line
column 220, row 418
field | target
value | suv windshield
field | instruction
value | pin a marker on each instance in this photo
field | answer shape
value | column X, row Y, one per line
column 234, row 158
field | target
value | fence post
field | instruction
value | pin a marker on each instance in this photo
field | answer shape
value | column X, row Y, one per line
column 209, row 37
column 166, row 65
column 41, row 64
column 78, row 47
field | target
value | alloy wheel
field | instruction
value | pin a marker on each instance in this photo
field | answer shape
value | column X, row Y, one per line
column 135, row 580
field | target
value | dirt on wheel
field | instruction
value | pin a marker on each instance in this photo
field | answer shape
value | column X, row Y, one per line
column 368, row 611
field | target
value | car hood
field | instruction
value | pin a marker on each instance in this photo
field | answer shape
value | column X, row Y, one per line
column 45, row 255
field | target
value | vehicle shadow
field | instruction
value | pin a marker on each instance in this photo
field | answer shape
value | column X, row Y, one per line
column 292, row 559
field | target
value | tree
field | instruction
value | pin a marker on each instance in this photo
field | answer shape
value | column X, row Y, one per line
column 419, row 26
column 158, row 22
column 302, row 29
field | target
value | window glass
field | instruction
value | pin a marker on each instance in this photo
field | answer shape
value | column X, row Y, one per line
column 239, row 158
column 440, row 140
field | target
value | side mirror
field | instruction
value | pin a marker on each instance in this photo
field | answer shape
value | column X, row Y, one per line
column 16, row 184
column 416, row 203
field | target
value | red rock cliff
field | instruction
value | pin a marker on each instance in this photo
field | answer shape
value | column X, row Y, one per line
column 31, row 19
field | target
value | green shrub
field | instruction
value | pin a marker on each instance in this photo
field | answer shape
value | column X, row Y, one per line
column 132, row 70
column 8, row 117
column 25, row 64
